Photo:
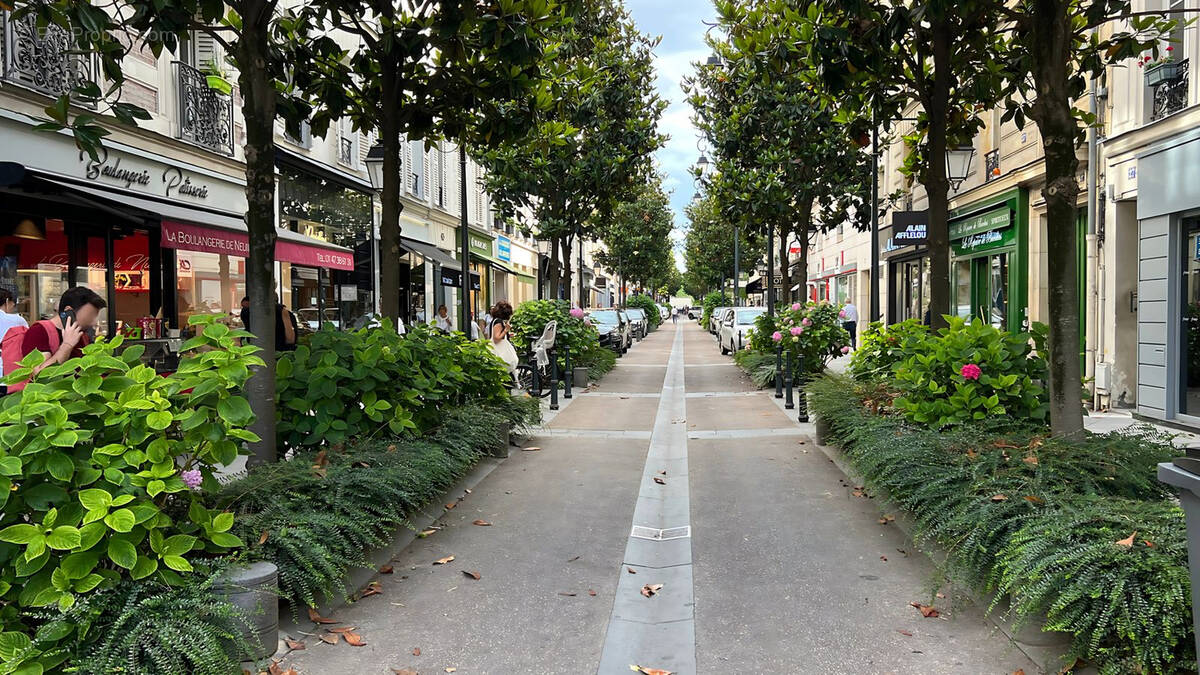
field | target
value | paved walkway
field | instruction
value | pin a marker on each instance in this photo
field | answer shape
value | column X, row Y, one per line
column 672, row 471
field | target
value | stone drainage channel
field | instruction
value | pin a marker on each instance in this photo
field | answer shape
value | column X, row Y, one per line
column 660, row 633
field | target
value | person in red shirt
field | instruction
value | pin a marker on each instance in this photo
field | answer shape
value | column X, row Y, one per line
column 78, row 311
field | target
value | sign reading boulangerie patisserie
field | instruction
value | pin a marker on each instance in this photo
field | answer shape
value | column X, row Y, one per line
column 211, row 240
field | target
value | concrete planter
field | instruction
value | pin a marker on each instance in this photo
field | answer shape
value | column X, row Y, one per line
column 822, row 430
column 252, row 589
column 579, row 377
column 500, row 449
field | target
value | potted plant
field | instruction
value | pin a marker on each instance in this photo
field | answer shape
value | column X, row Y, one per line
column 216, row 78
column 1163, row 70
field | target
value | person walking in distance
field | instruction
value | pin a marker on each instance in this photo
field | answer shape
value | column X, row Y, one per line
column 850, row 322
column 674, row 315
column 442, row 320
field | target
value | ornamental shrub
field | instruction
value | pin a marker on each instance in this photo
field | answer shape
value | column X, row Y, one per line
column 95, row 459
column 712, row 301
column 343, row 385
column 811, row 332
column 971, row 371
column 577, row 334
column 883, row 347
column 646, row 304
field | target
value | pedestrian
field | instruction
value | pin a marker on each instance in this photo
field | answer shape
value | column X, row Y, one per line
column 499, row 343
column 58, row 339
column 8, row 312
column 474, row 327
column 442, row 320
column 850, row 322
column 285, row 325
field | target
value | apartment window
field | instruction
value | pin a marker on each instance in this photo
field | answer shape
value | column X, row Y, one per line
column 1166, row 79
column 347, row 144
column 304, row 140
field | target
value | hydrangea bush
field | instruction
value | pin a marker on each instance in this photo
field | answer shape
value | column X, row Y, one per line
column 812, row 333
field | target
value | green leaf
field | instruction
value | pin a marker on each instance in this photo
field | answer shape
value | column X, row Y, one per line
column 222, row 522
column 158, row 420
column 90, row 535
column 235, row 410
column 63, row 538
column 78, row 565
column 177, row 563
column 178, row 545
column 155, row 487
column 65, row 439
column 10, row 466
column 226, row 540
column 88, row 583
column 144, row 567
column 122, row 553
column 20, row 534
column 13, row 643
column 60, row 466
column 121, row 520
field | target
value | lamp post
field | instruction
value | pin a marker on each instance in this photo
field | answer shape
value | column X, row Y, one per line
column 464, row 314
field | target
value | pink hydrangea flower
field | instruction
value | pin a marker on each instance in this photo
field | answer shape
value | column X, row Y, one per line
column 971, row 372
column 807, row 321
column 577, row 313
column 191, row 478
column 777, row 336
column 796, row 307
column 846, row 349
column 796, row 330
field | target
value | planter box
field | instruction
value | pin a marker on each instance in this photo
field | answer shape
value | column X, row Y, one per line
column 579, row 377
column 1163, row 73
column 218, row 83
column 501, row 448
column 252, row 589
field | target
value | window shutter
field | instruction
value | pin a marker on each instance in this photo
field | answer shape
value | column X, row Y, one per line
column 207, row 50
column 426, row 173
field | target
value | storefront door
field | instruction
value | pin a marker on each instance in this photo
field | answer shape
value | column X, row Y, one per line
column 981, row 288
column 1189, row 342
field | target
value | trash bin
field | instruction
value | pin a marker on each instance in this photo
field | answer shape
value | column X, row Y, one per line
column 1184, row 473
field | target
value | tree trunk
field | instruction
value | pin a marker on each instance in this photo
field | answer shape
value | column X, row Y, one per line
column 258, row 109
column 803, row 228
column 555, row 281
column 1051, row 40
column 937, row 187
column 785, row 270
column 565, row 242
column 389, row 224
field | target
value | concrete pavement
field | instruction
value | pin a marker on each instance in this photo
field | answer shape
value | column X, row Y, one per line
column 769, row 562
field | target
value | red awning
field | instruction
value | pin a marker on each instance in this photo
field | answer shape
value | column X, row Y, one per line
column 212, row 240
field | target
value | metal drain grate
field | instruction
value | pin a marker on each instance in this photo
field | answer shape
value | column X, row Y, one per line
column 655, row 534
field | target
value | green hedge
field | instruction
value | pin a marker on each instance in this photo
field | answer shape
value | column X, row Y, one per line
column 646, row 304
column 1036, row 521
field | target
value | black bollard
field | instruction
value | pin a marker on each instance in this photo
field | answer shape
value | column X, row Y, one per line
column 802, row 413
column 787, row 383
column 778, row 371
column 568, row 376
column 537, row 380
column 553, row 380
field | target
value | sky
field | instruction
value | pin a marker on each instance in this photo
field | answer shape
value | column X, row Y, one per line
column 681, row 25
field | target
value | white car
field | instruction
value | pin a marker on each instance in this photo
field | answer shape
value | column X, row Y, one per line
column 734, row 326
column 715, row 319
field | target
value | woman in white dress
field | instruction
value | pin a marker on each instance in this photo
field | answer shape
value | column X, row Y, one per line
column 499, row 343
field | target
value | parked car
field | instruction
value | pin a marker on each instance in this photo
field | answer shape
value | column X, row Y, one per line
column 664, row 312
column 641, row 324
column 614, row 332
column 737, row 323
column 694, row 313
column 624, row 314
column 715, row 319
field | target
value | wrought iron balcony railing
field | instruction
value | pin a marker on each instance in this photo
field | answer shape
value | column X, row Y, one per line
column 346, row 150
column 205, row 114
column 1170, row 83
column 43, row 59
column 991, row 165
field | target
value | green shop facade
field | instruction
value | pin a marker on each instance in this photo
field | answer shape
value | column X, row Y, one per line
column 989, row 259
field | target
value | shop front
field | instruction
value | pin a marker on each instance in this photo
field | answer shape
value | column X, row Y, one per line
column 481, row 247
column 905, row 254
column 989, row 269
column 1168, row 286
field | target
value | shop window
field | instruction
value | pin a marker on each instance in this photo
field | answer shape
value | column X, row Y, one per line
column 1189, row 343
column 416, row 289
column 962, row 288
column 131, row 279
column 209, row 283
column 91, row 269
column 34, row 264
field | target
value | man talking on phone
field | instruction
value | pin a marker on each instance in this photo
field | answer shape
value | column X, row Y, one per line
column 78, row 311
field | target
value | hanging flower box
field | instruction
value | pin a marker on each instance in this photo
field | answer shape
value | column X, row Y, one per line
column 219, row 83
column 1164, row 72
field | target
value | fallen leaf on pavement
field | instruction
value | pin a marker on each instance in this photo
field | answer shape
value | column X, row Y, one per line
column 317, row 618
column 631, row 570
column 416, row 651
column 859, row 493
column 591, row 593
column 404, row 671
column 451, row 669
column 1019, row 671
column 354, row 640
column 474, row 575
column 466, row 491
column 569, row 595
column 904, row 632
column 883, row 558
column 662, row 473
column 294, row 644
column 372, row 588
column 574, row 559
column 659, row 481
column 886, row 519
column 443, row 561
column 451, row 505
column 275, row 668
column 330, row 638
column 941, row 596
column 342, row 629
column 1034, row 500
column 482, row 523
column 926, row 611
column 532, row 448
column 386, row 569
column 649, row 671
column 650, row 589
column 999, row 498
column 1127, row 542
column 426, row 533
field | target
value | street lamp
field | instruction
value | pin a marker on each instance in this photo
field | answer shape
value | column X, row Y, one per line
column 958, row 164
column 374, row 162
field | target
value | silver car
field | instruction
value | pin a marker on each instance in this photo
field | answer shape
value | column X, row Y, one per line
column 736, row 323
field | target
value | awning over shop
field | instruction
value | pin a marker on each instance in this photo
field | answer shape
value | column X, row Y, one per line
column 206, row 231
column 509, row 269
column 430, row 252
